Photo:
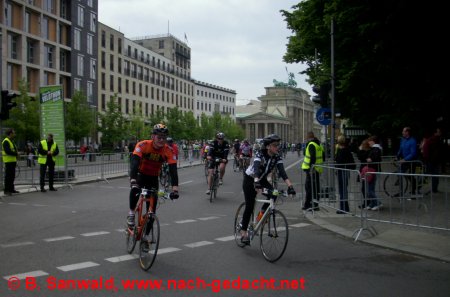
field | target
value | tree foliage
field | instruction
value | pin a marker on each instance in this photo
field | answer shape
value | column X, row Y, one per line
column 387, row 73
column 24, row 118
column 79, row 117
column 112, row 125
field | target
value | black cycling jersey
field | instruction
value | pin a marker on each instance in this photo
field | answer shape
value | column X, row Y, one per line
column 263, row 164
column 219, row 151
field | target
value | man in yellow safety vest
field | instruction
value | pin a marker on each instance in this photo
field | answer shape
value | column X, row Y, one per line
column 48, row 150
column 314, row 155
column 9, row 156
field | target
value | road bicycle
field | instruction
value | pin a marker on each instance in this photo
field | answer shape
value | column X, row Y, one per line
column 164, row 176
column 244, row 162
column 206, row 170
column 273, row 178
column 236, row 164
column 215, row 180
column 272, row 228
column 396, row 184
column 146, row 227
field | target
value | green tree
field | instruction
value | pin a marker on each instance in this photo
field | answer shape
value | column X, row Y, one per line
column 384, row 74
column 80, row 118
column 112, row 125
column 24, row 118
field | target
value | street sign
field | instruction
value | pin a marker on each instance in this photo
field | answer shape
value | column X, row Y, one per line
column 323, row 116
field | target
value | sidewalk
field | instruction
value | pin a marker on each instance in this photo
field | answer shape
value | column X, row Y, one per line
column 426, row 243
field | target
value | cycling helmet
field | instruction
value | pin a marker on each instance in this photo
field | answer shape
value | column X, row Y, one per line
column 169, row 140
column 246, row 140
column 220, row 135
column 160, row 129
column 270, row 139
column 236, row 140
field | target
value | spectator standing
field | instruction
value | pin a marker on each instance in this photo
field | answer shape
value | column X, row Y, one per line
column 374, row 162
column 362, row 155
column 48, row 150
column 173, row 146
column 344, row 162
column 314, row 155
column 434, row 157
column 407, row 155
column 29, row 150
column 9, row 156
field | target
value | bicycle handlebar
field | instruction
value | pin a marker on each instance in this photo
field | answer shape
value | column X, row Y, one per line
column 274, row 192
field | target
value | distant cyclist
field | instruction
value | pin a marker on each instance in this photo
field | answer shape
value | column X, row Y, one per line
column 146, row 162
column 255, row 178
column 245, row 151
column 219, row 149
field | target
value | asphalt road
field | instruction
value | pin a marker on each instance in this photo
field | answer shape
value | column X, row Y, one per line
column 77, row 234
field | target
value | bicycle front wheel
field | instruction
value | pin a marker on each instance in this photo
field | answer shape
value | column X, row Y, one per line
column 148, row 247
column 238, row 226
column 274, row 236
column 130, row 236
column 395, row 185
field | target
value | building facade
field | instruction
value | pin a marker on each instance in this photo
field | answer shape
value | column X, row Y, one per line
column 211, row 98
column 49, row 42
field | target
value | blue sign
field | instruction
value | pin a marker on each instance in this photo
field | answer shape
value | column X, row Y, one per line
column 323, row 116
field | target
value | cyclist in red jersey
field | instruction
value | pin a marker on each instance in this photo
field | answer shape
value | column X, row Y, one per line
column 146, row 162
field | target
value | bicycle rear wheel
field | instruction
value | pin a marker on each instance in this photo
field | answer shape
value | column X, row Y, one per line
column 148, row 246
column 235, row 165
column 206, row 171
column 274, row 236
column 237, row 224
column 392, row 185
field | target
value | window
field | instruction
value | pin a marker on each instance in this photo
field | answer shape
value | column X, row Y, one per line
column 80, row 16
column 111, row 62
column 103, row 60
column 8, row 10
column 103, row 38
column 111, row 83
column 119, row 45
column 93, row 70
column 80, row 65
column 90, row 44
column 119, row 65
column 90, row 92
column 44, row 29
column 161, row 44
column 93, row 22
column 13, row 43
column 49, row 56
column 111, row 42
column 77, row 39
column 77, row 84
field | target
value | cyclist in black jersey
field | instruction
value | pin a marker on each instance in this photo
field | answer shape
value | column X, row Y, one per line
column 218, row 149
column 255, row 178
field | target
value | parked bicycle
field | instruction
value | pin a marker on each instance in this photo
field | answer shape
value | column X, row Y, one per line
column 397, row 184
column 272, row 228
column 146, row 229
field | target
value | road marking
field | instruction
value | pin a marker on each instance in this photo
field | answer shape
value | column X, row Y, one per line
column 39, row 205
column 122, row 258
column 299, row 225
column 59, row 238
column 186, row 182
column 226, row 238
column 95, row 233
column 168, row 250
column 27, row 274
column 77, row 266
column 16, row 244
column 17, row 203
column 198, row 244
column 185, row 221
column 208, row 218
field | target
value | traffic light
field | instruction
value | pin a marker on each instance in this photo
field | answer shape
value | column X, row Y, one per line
column 7, row 104
column 323, row 94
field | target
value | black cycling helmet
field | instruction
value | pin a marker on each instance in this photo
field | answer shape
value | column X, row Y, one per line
column 220, row 135
column 169, row 140
column 160, row 129
column 270, row 139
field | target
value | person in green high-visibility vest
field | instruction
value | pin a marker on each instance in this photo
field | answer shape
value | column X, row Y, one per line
column 314, row 155
column 48, row 150
column 9, row 155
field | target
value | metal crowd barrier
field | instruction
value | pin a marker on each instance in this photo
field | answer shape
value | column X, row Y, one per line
column 401, row 206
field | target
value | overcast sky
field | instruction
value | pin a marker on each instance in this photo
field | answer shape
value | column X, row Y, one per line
column 236, row 44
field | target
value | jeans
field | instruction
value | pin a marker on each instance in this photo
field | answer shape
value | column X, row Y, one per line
column 343, row 177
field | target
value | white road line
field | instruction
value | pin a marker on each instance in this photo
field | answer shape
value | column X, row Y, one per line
column 185, row 221
column 208, row 218
column 59, row 238
column 27, row 274
column 226, row 238
column 168, row 250
column 39, row 205
column 95, row 233
column 17, row 203
column 299, row 225
column 198, row 244
column 122, row 258
column 186, row 182
column 16, row 244
column 77, row 266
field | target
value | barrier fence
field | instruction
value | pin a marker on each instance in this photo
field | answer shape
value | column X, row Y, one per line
column 401, row 203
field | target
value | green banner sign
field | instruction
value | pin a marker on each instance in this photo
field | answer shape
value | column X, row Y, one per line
column 52, row 118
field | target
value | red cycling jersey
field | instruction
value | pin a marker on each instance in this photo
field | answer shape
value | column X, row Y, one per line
column 151, row 158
